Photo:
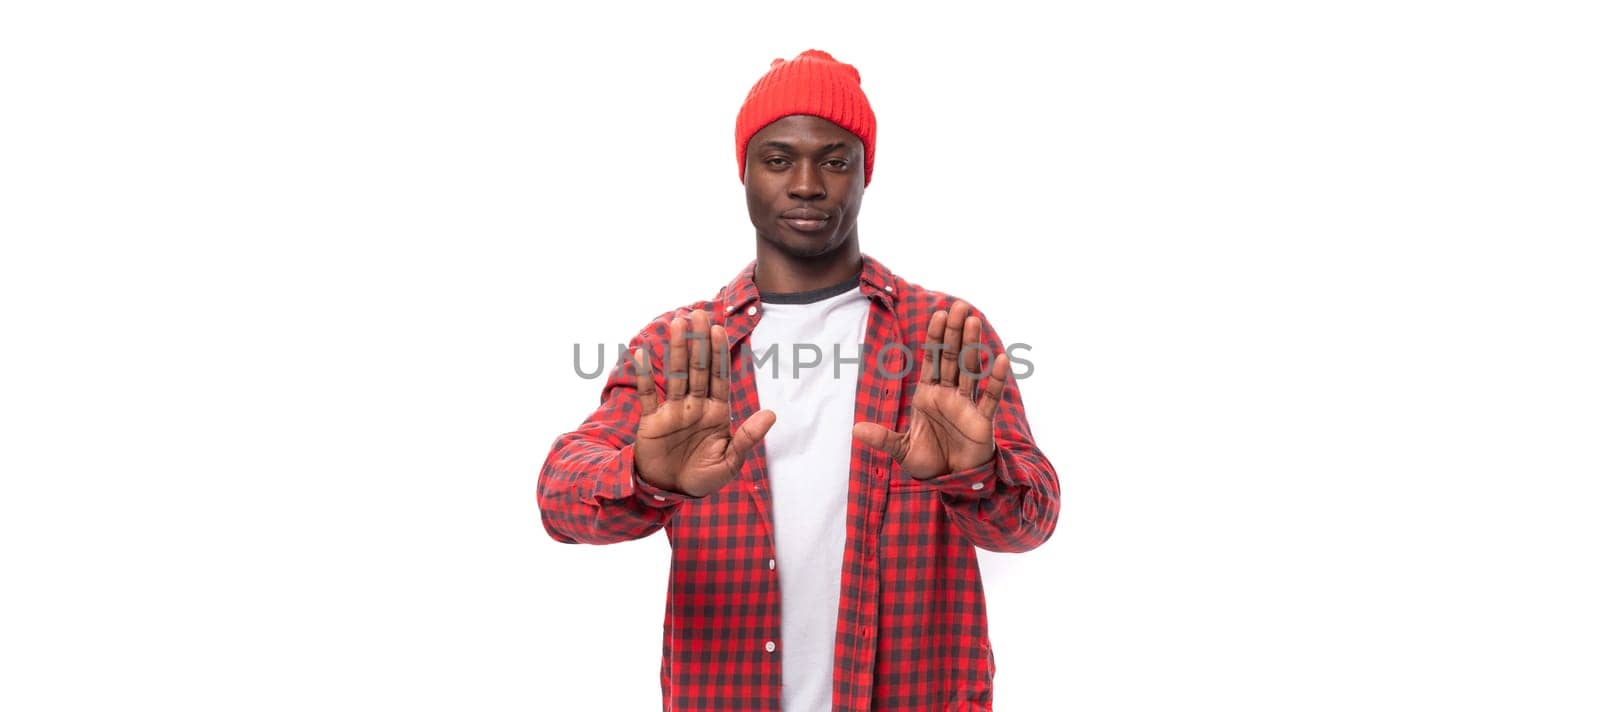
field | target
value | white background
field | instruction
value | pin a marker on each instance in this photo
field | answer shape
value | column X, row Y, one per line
column 289, row 292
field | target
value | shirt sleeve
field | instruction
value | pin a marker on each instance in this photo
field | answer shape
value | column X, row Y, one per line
column 1012, row 502
column 589, row 491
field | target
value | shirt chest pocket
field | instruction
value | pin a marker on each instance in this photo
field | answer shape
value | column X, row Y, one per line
column 903, row 484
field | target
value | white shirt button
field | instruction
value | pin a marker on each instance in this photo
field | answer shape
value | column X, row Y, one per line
column 977, row 485
column 888, row 288
column 771, row 646
column 728, row 308
column 752, row 310
column 772, row 563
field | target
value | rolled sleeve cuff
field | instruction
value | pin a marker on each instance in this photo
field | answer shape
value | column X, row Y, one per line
column 970, row 484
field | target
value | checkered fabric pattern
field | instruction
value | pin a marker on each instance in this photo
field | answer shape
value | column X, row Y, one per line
column 912, row 629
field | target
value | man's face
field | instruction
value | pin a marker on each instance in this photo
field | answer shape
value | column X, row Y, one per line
column 803, row 180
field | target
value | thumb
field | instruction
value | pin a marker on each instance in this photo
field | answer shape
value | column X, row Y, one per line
column 749, row 433
column 878, row 438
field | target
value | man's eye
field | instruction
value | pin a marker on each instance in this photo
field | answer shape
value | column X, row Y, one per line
column 837, row 163
column 777, row 161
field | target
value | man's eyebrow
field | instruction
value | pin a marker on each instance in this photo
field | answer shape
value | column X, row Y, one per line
column 781, row 146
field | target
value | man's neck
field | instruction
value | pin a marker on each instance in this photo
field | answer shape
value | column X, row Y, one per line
column 782, row 273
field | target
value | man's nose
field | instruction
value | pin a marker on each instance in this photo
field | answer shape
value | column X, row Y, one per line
column 807, row 183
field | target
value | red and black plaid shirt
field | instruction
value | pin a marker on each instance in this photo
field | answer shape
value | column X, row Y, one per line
column 912, row 631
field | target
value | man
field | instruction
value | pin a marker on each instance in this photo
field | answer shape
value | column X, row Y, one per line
column 823, row 443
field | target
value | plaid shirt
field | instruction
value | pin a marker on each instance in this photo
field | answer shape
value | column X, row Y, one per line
column 912, row 631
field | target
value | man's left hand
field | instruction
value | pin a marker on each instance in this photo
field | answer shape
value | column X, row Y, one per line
column 949, row 431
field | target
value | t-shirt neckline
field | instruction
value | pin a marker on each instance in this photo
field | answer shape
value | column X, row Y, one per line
column 811, row 295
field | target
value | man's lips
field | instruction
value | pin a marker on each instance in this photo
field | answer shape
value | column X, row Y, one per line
column 805, row 225
column 804, row 219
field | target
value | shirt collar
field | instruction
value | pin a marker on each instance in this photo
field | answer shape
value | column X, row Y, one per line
column 877, row 282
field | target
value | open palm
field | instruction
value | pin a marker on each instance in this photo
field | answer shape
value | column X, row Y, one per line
column 684, row 443
column 948, row 430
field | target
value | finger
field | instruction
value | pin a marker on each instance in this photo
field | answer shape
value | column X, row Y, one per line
column 952, row 343
column 749, row 433
column 646, row 382
column 935, row 335
column 995, row 387
column 700, row 353
column 677, row 359
column 878, row 438
column 971, row 365
column 719, row 374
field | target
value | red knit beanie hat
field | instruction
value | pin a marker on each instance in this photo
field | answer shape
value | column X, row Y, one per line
column 813, row 83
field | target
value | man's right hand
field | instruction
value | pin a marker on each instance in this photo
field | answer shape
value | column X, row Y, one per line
column 685, row 443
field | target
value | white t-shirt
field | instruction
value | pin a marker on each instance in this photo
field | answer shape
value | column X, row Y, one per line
column 808, row 466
